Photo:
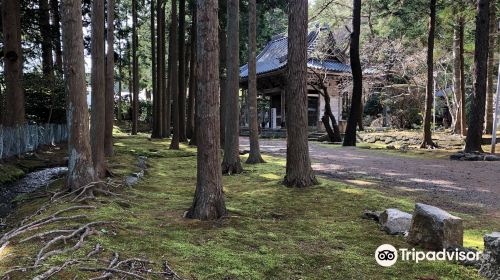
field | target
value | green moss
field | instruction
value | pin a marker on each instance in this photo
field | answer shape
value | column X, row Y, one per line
column 10, row 173
column 272, row 232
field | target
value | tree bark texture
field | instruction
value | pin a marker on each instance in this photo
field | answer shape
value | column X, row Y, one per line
column 56, row 31
column 208, row 202
column 174, row 79
column 46, row 34
column 476, row 117
column 80, row 166
column 192, row 80
column 135, row 69
column 490, row 86
column 298, row 164
column 97, row 75
column 182, row 71
column 110, row 81
column 13, row 113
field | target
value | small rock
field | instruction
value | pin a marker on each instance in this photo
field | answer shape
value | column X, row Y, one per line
column 371, row 140
column 131, row 181
column 491, row 158
column 466, row 262
column 142, row 162
column 435, row 229
column 457, row 156
column 473, row 157
column 395, row 221
column 490, row 264
column 391, row 147
column 389, row 140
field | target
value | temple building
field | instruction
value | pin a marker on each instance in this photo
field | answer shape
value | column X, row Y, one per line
column 326, row 67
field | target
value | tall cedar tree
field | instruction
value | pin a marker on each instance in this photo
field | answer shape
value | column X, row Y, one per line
column 476, row 117
column 457, row 66
column 298, row 164
column 490, row 86
column 135, row 70
column 429, row 95
column 165, row 93
column 45, row 32
column 174, row 80
column 357, row 77
column 190, row 126
column 13, row 113
column 80, row 167
column 98, row 87
column 156, row 129
column 208, row 202
column 56, row 29
column 182, row 71
column 231, row 163
column 254, row 156
column 110, row 81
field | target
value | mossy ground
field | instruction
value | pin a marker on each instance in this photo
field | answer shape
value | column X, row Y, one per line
column 272, row 232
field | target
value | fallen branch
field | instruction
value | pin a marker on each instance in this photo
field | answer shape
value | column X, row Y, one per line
column 113, row 270
column 96, row 250
column 49, row 273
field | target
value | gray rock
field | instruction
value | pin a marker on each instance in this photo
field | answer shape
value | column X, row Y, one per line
column 131, row 181
column 435, row 229
column 466, row 262
column 370, row 140
column 390, row 147
column 142, row 162
column 395, row 221
column 389, row 140
column 490, row 264
column 371, row 215
column 491, row 158
column 473, row 157
column 457, row 156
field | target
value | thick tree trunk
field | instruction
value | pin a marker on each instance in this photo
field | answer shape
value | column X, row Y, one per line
column 80, row 167
column 490, row 87
column 462, row 77
column 56, row 34
column 429, row 96
column 298, row 164
column 231, row 163
column 135, row 70
column 457, row 83
column 357, row 78
column 98, row 87
column 174, row 79
column 13, row 113
column 110, row 81
column 208, row 202
column 120, row 81
column 156, row 131
column 44, row 22
column 192, row 80
column 182, row 71
column 254, row 156
column 476, row 117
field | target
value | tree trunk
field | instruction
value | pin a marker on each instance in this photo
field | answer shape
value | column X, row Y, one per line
column 44, row 22
column 135, row 70
column 13, row 113
column 182, row 71
column 80, row 167
column 110, row 81
column 429, row 96
column 329, row 121
column 156, row 131
column 298, row 164
column 192, row 79
column 56, row 34
column 357, row 77
column 208, row 202
column 166, row 94
column 98, row 87
column 174, row 79
column 476, row 117
column 457, row 83
column 254, row 156
column 462, row 77
column 231, row 163
column 120, row 81
column 223, row 81
column 490, row 87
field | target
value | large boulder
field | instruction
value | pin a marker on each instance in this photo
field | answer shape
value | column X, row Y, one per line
column 490, row 265
column 395, row 221
column 435, row 229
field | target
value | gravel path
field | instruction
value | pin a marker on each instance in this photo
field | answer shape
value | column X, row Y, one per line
column 470, row 187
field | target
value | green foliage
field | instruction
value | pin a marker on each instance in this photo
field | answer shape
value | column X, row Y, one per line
column 373, row 106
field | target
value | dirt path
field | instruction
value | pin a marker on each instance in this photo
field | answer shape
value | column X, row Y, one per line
column 470, row 187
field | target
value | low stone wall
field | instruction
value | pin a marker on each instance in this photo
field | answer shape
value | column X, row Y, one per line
column 27, row 138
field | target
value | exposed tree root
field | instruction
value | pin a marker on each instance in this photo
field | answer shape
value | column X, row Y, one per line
column 44, row 221
column 83, row 231
column 49, row 273
column 96, row 250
